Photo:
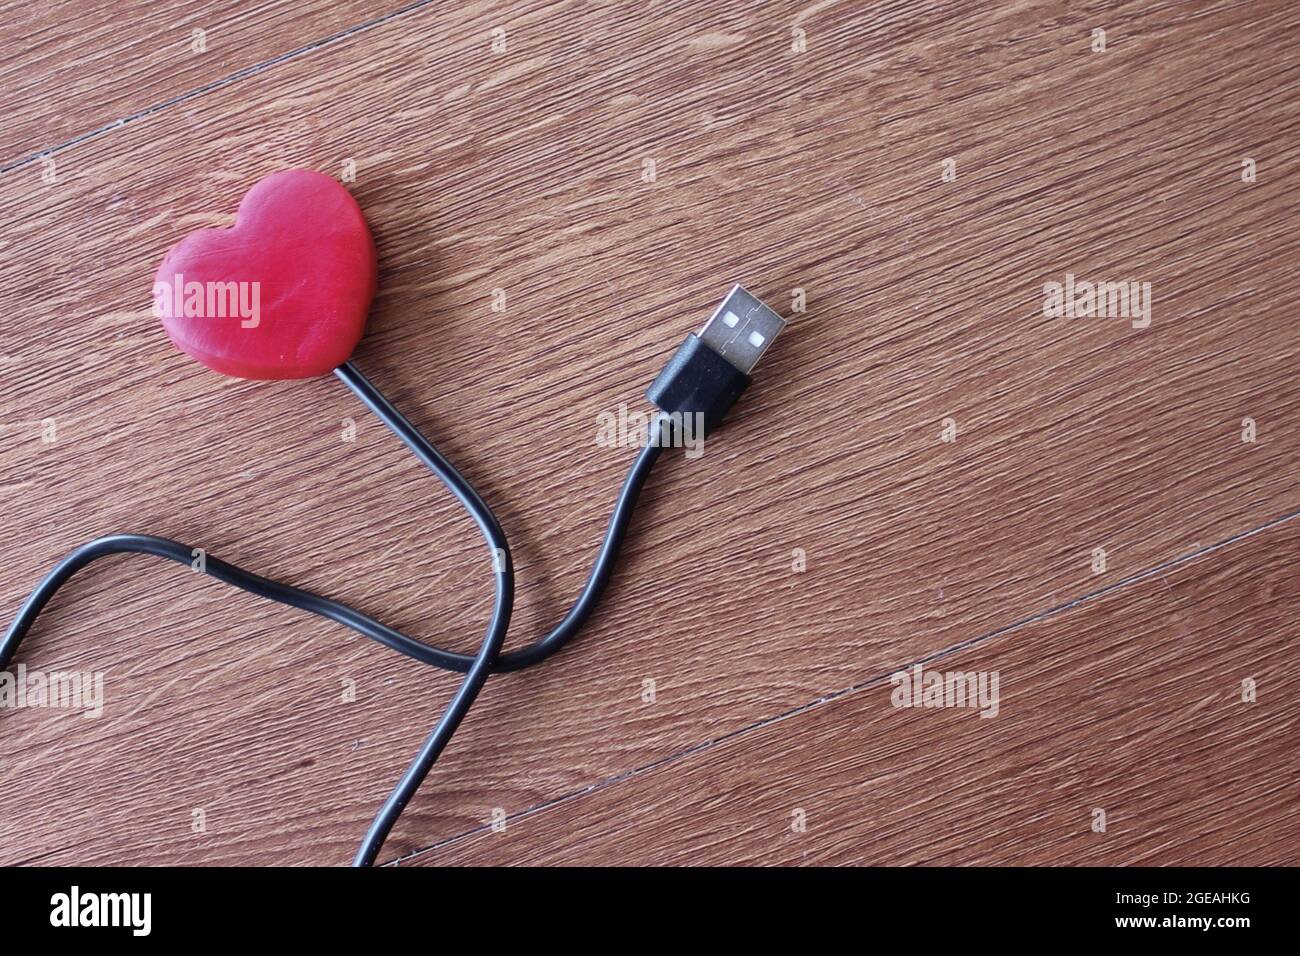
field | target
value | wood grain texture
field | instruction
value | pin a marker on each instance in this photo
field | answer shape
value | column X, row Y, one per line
column 522, row 171
column 1130, row 703
column 76, row 67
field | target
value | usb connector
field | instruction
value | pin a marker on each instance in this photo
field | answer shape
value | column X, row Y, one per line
column 711, row 369
column 742, row 329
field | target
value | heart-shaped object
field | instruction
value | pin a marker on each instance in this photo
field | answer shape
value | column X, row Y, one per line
column 283, row 293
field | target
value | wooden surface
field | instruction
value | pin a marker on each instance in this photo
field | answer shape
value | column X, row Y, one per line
column 818, row 170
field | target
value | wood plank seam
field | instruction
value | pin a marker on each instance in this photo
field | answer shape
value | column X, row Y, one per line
column 235, row 77
column 861, row 686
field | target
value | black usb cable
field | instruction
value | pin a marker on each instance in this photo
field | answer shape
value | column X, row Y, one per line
column 697, row 387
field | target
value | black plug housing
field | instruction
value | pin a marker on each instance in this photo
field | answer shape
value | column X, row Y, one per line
column 698, row 381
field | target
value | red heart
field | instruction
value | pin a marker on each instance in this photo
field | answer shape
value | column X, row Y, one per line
column 284, row 292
